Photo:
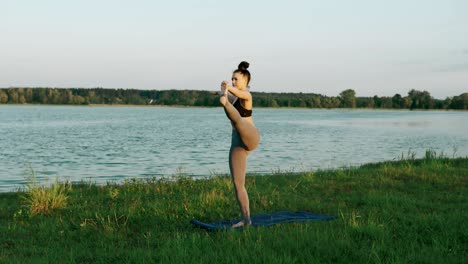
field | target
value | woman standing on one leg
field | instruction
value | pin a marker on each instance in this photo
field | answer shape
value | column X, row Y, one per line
column 237, row 102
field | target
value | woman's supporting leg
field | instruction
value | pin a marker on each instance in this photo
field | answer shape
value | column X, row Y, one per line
column 238, row 165
column 248, row 132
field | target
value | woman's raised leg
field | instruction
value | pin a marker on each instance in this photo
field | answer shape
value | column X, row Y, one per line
column 248, row 132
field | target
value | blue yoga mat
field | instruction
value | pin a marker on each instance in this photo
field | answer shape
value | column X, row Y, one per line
column 265, row 220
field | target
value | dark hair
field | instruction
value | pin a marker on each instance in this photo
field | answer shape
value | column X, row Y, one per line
column 242, row 69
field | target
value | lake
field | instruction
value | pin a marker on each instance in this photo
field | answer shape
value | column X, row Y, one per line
column 105, row 143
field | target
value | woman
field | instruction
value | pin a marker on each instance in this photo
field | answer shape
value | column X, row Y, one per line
column 237, row 102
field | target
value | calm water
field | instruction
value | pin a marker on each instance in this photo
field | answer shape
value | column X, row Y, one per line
column 112, row 143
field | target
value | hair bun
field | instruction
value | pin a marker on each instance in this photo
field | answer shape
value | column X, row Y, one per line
column 243, row 66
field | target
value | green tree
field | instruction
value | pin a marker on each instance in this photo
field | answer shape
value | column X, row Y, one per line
column 348, row 98
column 12, row 96
column 407, row 102
column 29, row 95
column 397, row 101
column 316, row 102
column 386, row 102
column 377, row 102
column 331, row 102
column 77, row 99
column 21, row 95
column 420, row 100
column 460, row 102
column 21, row 99
column 274, row 103
column 447, row 103
column 427, row 100
column 3, row 97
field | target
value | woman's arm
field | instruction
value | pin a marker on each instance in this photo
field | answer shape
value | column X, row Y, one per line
column 230, row 96
column 243, row 94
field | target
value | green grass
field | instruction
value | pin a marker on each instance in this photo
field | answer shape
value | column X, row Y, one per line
column 408, row 211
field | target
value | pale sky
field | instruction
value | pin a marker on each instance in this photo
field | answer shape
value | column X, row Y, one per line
column 372, row 46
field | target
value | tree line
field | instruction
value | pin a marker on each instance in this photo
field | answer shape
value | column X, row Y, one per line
column 415, row 99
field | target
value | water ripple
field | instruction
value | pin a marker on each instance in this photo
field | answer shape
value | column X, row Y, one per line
column 112, row 143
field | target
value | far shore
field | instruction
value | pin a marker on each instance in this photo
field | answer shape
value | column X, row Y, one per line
column 257, row 107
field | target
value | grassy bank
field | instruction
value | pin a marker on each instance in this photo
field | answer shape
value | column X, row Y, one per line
column 409, row 211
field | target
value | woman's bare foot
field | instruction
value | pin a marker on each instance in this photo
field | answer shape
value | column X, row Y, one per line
column 223, row 99
column 224, row 93
column 242, row 223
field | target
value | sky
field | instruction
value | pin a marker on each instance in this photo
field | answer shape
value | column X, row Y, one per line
column 374, row 47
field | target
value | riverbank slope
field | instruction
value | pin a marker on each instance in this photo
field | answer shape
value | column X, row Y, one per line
column 401, row 211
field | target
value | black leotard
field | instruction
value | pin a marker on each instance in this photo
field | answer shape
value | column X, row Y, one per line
column 242, row 111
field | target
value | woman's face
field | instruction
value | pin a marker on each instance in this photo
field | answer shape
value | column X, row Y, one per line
column 239, row 81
